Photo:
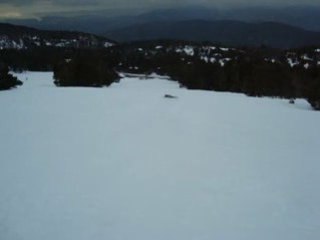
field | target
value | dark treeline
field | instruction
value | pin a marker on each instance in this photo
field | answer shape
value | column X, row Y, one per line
column 252, row 71
column 37, row 59
column 247, row 72
column 7, row 80
column 87, row 70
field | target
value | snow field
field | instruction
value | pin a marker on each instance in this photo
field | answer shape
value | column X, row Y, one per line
column 126, row 163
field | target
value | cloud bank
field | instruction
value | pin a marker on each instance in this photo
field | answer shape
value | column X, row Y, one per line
column 39, row 8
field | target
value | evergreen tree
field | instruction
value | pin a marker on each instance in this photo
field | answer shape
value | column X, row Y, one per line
column 7, row 80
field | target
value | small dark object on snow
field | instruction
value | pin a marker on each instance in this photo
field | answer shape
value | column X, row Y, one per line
column 169, row 96
column 291, row 101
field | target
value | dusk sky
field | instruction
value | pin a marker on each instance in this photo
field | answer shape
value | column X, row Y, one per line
column 39, row 8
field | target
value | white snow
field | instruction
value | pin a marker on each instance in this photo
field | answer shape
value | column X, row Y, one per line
column 157, row 76
column 213, row 60
column 204, row 58
column 224, row 49
column 108, row 44
column 207, row 59
column 188, row 50
column 292, row 62
column 306, row 66
column 306, row 57
column 224, row 61
column 126, row 163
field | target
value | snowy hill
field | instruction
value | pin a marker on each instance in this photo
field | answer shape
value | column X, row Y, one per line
column 20, row 37
column 126, row 163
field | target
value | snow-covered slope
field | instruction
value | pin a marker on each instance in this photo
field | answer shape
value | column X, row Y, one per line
column 126, row 163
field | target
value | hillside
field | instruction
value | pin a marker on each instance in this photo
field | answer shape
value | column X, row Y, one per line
column 235, row 33
column 21, row 37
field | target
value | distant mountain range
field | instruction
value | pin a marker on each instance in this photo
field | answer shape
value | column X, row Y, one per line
column 233, row 33
column 98, row 22
column 20, row 37
column 224, row 32
column 306, row 17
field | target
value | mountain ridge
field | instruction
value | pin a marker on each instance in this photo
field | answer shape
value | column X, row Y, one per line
column 19, row 37
column 97, row 22
column 230, row 32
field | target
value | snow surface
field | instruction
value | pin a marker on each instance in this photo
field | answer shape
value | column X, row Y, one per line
column 306, row 66
column 126, row 163
column 292, row 63
column 224, row 49
column 306, row 57
column 188, row 50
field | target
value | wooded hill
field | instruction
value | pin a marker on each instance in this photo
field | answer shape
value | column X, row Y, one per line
column 259, row 71
column 21, row 37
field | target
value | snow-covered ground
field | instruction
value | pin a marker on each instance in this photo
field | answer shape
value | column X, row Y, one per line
column 124, row 162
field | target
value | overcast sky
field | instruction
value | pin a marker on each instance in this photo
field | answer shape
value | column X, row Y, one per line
column 39, row 8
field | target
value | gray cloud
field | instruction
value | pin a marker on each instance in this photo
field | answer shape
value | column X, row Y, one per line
column 152, row 2
column 52, row 2
column 116, row 3
column 36, row 8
